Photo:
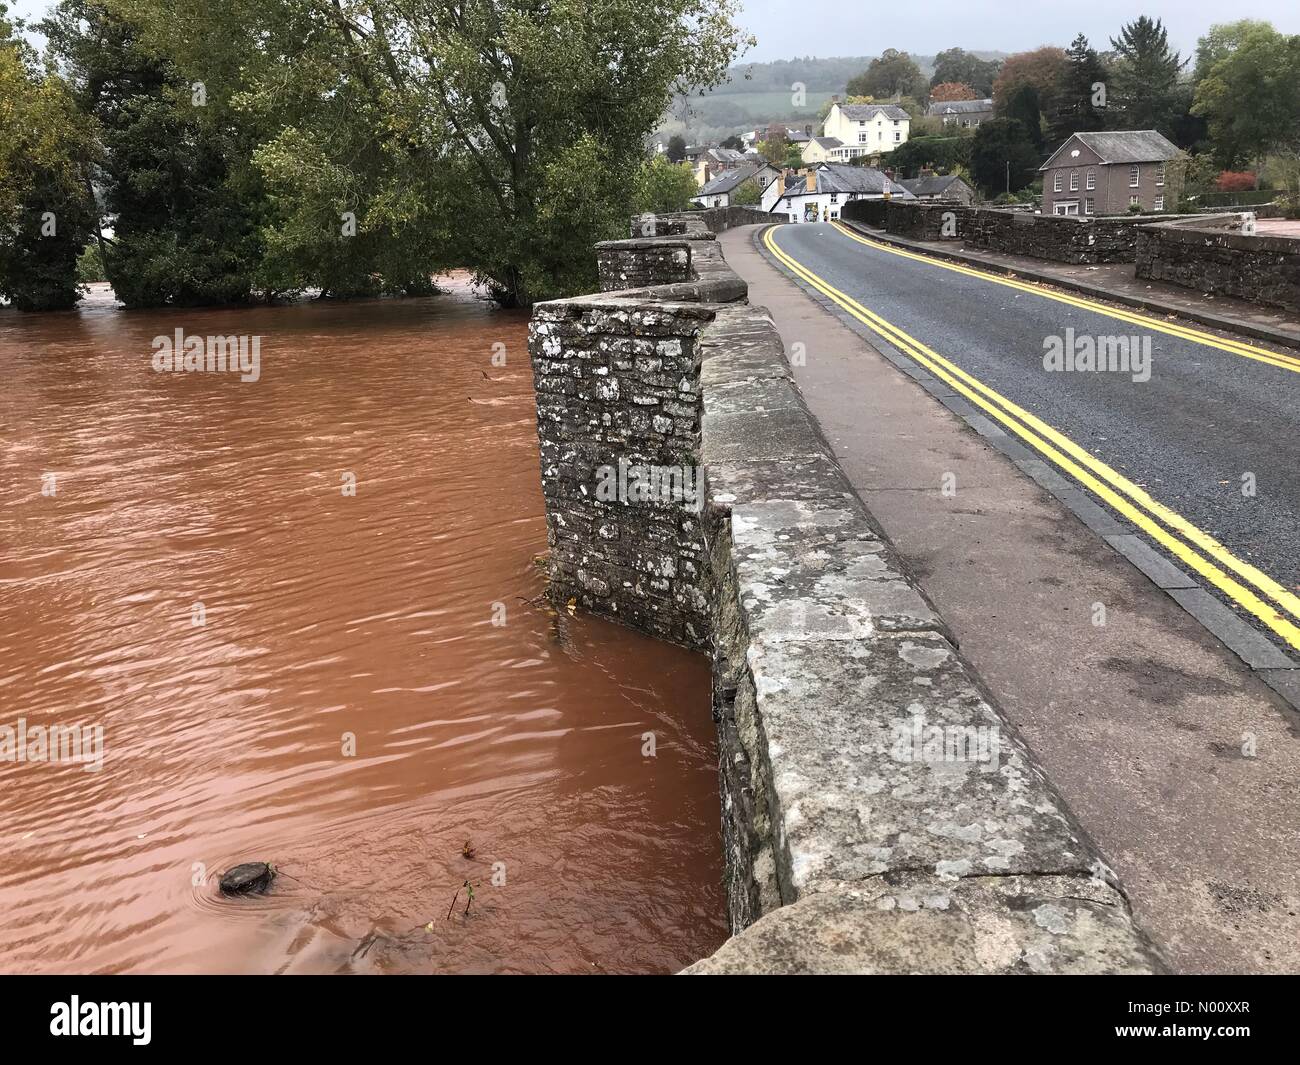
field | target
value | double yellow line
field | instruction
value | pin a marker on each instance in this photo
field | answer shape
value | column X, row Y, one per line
column 1243, row 583
column 1234, row 347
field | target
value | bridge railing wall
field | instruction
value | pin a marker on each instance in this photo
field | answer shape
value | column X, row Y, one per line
column 852, row 840
column 1212, row 255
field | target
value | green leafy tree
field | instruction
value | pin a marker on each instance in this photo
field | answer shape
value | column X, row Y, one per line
column 1022, row 106
column 943, row 154
column 47, row 209
column 1080, row 106
column 958, row 65
column 1002, row 156
column 891, row 74
column 664, row 187
column 1250, row 96
column 676, row 150
column 504, row 135
column 1143, row 84
column 1222, row 39
column 175, row 181
column 747, row 194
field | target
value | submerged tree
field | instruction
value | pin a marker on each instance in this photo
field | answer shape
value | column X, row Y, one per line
column 181, row 201
column 46, row 203
column 504, row 135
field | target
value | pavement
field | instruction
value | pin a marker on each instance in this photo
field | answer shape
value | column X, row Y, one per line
column 1181, row 763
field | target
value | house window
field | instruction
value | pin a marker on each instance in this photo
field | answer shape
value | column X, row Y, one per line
column 1089, row 206
column 1160, row 174
column 1092, row 179
column 1160, row 203
column 1134, row 176
column 862, row 138
column 1133, row 201
column 896, row 122
column 898, row 135
column 1056, row 182
column 834, row 197
column 1066, row 207
column 1074, row 181
column 862, row 122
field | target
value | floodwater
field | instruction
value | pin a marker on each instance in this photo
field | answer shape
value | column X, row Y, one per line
column 305, row 613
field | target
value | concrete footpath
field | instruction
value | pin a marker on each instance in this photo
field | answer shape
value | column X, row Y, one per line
column 1141, row 722
column 1115, row 283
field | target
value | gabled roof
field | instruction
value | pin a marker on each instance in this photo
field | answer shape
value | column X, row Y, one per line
column 1124, row 146
column 829, row 142
column 958, row 107
column 934, row 185
column 841, row 177
column 728, row 181
column 726, row 155
column 858, row 112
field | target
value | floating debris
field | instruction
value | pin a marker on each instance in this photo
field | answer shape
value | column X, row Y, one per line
column 251, row 878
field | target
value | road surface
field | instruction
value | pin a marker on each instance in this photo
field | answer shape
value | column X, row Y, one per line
column 1179, row 761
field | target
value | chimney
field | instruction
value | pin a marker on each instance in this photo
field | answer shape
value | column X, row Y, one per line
column 889, row 172
column 926, row 172
column 835, row 98
column 780, row 185
column 812, row 180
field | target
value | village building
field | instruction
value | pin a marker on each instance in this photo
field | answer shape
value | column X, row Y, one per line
column 932, row 186
column 1111, row 173
column 818, row 194
column 865, row 129
column 722, row 190
column 964, row 114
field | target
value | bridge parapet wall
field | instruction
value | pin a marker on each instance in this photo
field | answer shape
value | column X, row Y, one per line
column 879, row 814
column 1212, row 255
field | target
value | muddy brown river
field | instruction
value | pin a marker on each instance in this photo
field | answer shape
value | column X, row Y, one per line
column 303, row 614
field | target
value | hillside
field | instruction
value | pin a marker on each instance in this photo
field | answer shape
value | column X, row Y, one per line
column 757, row 93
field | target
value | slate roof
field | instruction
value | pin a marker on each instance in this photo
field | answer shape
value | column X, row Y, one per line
column 934, row 185
column 958, row 107
column 1124, row 146
column 840, row 177
column 829, row 142
column 858, row 112
column 729, row 180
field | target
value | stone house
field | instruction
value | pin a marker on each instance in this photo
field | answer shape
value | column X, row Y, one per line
column 713, row 162
column 865, row 129
column 931, row 186
column 721, row 191
column 1106, row 173
column 965, row 114
column 817, row 194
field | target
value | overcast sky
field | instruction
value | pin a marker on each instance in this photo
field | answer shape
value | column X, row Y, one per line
column 789, row 28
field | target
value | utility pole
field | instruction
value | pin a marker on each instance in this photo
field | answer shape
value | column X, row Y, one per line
column 1008, row 177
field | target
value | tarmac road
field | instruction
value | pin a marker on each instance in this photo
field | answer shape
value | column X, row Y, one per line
column 1178, row 759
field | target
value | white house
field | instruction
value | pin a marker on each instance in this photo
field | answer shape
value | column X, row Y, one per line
column 721, row 190
column 818, row 194
column 818, row 150
column 865, row 129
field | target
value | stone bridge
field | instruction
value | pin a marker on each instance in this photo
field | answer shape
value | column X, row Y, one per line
column 879, row 815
